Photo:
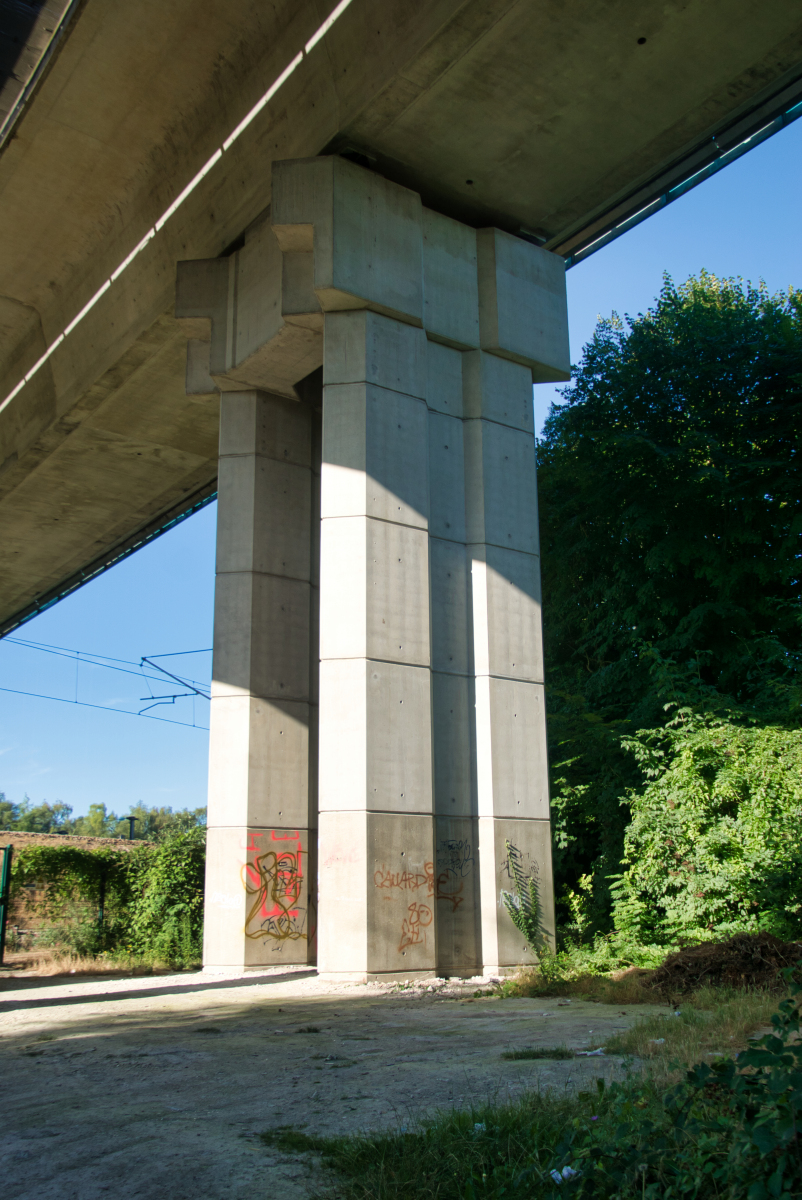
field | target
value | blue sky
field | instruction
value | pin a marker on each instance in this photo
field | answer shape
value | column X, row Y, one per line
column 744, row 221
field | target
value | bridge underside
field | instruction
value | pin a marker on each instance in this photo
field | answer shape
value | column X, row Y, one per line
column 546, row 120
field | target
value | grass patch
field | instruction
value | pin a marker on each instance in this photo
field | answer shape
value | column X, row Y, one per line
column 46, row 963
column 529, row 1052
column 725, row 1131
column 628, row 988
column 291, row 1140
column 308, row 1029
column 713, row 1022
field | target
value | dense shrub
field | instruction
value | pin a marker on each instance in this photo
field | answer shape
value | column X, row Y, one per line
column 146, row 902
column 671, row 514
column 714, row 846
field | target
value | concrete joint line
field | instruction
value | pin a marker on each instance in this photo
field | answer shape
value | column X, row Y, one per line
column 383, row 520
column 380, row 387
column 269, row 575
column 509, row 678
column 389, row 662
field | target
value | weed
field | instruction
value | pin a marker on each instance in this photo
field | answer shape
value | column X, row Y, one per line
column 628, row 988
column 713, row 1022
column 308, row 1029
column 291, row 1140
column 528, row 1052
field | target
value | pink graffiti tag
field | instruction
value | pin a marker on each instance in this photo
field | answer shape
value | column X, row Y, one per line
column 275, row 879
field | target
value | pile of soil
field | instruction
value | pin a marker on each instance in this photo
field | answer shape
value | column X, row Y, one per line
column 746, row 960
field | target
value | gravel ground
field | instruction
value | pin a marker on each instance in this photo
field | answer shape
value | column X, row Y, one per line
column 157, row 1087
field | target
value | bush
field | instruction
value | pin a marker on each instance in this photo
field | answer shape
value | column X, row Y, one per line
column 166, row 912
column 147, row 902
column 715, row 842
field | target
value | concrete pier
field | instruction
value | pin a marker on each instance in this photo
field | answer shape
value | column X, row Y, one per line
column 431, row 749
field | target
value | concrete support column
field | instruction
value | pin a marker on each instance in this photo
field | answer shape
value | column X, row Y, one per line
column 432, row 724
column 260, row 903
column 456, row 863
column 376, row 830
column 510, row 718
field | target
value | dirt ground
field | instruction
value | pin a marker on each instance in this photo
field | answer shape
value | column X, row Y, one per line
column 158, row 1087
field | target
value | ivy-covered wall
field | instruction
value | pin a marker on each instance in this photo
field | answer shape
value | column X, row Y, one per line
column 141, row 900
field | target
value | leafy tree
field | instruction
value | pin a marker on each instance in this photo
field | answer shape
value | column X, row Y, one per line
column 152, row 824
column 155, row 823
column 39, row 818
column 97, row 823
column 671, row 513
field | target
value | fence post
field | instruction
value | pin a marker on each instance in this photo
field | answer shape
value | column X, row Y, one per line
column 5, row 891
column 101, row 907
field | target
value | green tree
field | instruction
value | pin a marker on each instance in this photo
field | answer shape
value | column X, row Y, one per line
column 39, row 818
column 671, row 513
column 97, row 823
column 154, row 824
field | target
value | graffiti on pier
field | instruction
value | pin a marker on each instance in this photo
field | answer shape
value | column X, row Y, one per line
column 274, row 880
column 454, row 865
column 414, row 925
column 406, row 880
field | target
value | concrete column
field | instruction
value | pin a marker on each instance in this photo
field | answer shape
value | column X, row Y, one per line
column 261, row 848
column 524, row 337
column 432, row 722
column 453, row 692
column 376, row 830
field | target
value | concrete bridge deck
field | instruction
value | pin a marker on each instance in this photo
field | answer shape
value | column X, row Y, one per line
column 548, row 120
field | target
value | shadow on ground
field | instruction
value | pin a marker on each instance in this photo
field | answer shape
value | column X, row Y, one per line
column 115, row 1089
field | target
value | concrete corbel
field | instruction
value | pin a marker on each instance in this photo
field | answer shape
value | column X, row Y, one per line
column 364, row 231
column 523, row 309
column 253, row 320
column 201, row 303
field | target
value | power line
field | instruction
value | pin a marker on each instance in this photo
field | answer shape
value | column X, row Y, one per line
column 124, row 712
column 194, row 687
column 88, row 656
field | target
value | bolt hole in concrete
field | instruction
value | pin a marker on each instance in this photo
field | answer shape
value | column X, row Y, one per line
column 177, row 1071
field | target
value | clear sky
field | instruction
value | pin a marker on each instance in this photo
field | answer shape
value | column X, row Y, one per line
column 744, row 221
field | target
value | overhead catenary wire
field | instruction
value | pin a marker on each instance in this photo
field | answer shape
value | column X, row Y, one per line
column 194, row 688
column 123, row 712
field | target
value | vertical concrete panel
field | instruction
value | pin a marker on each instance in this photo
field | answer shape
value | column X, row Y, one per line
column 343, row 893
column 501, row 486
column 453, row 741
column 444, row 379
column 523, row 313
column 457, row 896
column 373, row 463
column 375, row 682
column 260, row 897
column 504, row 946
column 450, row 585
column 446, row 478
column 450, row 289
column 262, row 811
column 401, row 925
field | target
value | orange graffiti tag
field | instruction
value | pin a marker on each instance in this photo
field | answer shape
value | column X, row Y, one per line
column 413, row 926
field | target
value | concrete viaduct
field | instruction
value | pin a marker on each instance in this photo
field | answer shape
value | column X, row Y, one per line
column 312, row 259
